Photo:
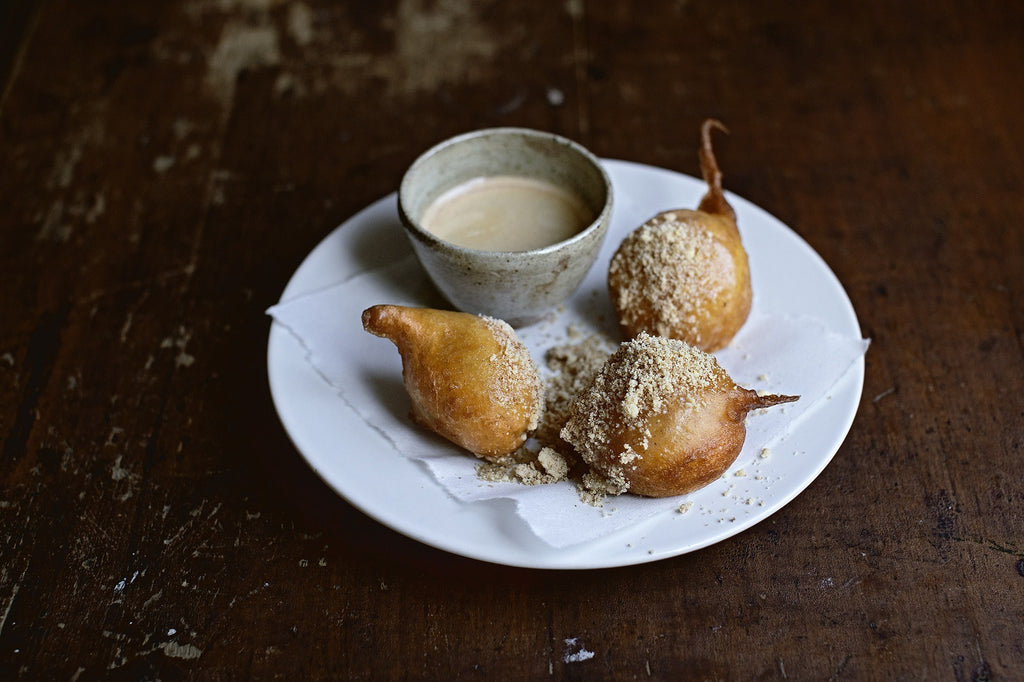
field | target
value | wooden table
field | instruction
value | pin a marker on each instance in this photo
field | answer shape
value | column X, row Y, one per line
column 164, row 168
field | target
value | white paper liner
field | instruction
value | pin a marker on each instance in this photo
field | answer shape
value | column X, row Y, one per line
column 778, row 354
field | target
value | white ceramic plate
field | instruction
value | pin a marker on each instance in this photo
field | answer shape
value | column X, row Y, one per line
column 789, row 278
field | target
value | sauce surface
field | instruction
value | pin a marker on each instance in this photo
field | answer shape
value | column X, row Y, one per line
column 506, row 213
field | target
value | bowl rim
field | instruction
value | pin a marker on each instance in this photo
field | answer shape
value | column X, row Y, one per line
column 598, row 224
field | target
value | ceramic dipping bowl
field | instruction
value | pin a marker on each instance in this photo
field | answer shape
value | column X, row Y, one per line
column 519, row 287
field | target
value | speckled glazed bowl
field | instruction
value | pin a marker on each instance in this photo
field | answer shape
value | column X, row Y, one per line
column 519, row 287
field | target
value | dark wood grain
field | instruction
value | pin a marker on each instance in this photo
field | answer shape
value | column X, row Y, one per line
column 164, row 167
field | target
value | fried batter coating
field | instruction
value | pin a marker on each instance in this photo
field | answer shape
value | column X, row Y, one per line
column 684, row 273
column 661, row 418
column 469, row 378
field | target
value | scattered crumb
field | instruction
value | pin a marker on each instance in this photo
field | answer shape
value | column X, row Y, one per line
column 572, row 366
column 547, row 466
column 554, row 464
column 594, row 488
column 684, row 507
column 555, row 97
column 765, row 453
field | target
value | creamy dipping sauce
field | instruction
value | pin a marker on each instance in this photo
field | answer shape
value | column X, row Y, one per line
column 506, row 213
